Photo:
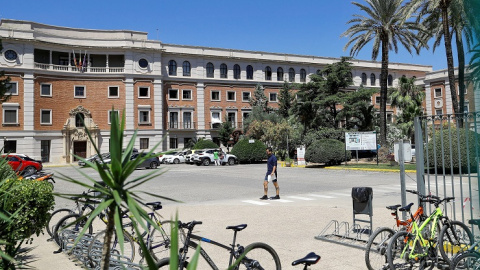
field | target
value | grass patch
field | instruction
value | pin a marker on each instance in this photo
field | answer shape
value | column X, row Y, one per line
column 380, row 166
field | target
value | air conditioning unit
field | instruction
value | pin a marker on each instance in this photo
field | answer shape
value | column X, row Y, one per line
column 438, row 103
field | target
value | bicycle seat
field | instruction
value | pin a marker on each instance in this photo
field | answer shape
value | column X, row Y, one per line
column 237, row 228
column 155, row 205
column 308, row 260
column 394, row 207
column 406, row 207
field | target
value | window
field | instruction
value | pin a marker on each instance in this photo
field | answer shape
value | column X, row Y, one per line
column 439, row 111
column 172, row 68
column 350, row 75
column 245, row 115
column 79, row 120
column 173, row 94
column 279, row 74
column 215, row 95
column 10, row 115
column 231, row 117
column 143, row 63
column 246, row 96
column 45, row 90
column 112, row 114
column 144, row 143
column 236, row 71
column 10, row 55
column 79, row 91
column 187, row 120
column 438, row 92
column 372, row 79
column 187, row 94
column 143, row 92
column 186, row 68
column 390, row 80
column 377, row 99
column 45, row 117
column 223, row 71
column 389, row 117
column 273, row 97
column 12, row 88
column 291, row 75
column 144, row 117
column 231, row 96
column 249, row 72
column 173, row 123
column 364, row 78
column 173, row 143
column 10, row 146
column 268, row 73
column 113, row 92
column 466, row 107
column 210, row 70
column 319, row 72
column 303, row 75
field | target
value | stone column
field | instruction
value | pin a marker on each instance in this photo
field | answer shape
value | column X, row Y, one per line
column 201, row 125
column 448, row 98
column 428, row 99
column 129, row 104
column 28, row 102
column 158, row 111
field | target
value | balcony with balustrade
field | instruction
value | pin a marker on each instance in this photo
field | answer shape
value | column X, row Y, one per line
column 181, row 125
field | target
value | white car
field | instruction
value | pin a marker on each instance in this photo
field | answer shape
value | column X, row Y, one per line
column 176, row 159
column 164, row 157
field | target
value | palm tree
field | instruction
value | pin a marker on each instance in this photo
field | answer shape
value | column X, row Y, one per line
column 385, row 25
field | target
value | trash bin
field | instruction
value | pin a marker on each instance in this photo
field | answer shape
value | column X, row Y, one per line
column 362, row 205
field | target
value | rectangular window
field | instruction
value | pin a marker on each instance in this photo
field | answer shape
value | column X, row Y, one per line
column 143, row 92
column 45, row 90
column 377, row 99
column 46, row 117
column 144, row 143
column 144, row 117
column 187, row 120
column 438, row 92
column 245, row 96
column 173, row 123
column 10, row 116
column 438, row 111
column 173, row 143
column 10, row 146
column 215, row 96
column 389, row 118
column 466, row 107
column 173, row 94
column 13, row 88
column 231, row 96
column 245, row 115
column 231, row 117
column 273, row 97
column 187, row 94
column 112, row 114
column 80, row 91
column 113, row 92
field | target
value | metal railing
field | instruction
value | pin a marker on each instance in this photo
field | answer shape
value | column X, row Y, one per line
column 76, row 69
column 181, row 125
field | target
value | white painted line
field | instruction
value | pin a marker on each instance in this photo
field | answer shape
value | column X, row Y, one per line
column 394, row 188
column 381, row 190
column 281, row 200
column 340, row 194
column 301, row 198
column 255, row 202
column 321, row 196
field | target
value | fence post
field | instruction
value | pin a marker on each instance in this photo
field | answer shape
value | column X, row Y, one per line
column 401, row 162
column 419, row 158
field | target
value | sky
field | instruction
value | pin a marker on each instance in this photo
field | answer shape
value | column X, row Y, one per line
column 306, row 27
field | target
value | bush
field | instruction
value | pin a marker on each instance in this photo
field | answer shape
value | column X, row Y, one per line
column 249, row 152
column 202, row 144
column 452, row 153
column 327, row 151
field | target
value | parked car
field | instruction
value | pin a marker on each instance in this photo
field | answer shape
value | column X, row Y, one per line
column 176, row 159
column 189, row 156
column 105, row 156
column 164, row 157
column 205, row 157
column 152, row 162
column 23, row 164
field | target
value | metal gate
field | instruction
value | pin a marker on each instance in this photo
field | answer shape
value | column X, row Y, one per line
column 447, row 157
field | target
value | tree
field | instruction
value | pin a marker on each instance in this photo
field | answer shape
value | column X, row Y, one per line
column 225, row 133
column 4, row 86
column 386, row 24
column 358, row 109
column 259, row 98
column 285, row 99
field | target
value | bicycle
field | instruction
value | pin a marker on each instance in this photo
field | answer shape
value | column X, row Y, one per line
column 254, row 256
column 469, row 259
column 376, row 249
column 417, row 249
column 308, row 260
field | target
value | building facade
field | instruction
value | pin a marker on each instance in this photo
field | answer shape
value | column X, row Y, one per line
column 65, row 80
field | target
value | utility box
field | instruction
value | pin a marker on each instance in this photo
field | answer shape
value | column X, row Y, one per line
column 362, row 198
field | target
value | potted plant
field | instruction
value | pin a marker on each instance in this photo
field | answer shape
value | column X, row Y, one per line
column 288, row 162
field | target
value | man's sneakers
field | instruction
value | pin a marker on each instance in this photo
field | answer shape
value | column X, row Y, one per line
column 264, row 197
column 275, row 197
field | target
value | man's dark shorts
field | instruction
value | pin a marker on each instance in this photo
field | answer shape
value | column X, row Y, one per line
column 273, row 180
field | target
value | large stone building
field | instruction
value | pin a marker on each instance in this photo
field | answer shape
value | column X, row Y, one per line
column 168, row 92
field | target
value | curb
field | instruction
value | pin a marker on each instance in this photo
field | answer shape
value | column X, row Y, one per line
column 367, row 169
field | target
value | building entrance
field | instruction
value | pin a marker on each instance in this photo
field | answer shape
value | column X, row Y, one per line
column 79, row 149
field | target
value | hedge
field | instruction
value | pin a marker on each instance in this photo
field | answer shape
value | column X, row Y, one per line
column 327, row 151
column 202, row 144
column 249, row 152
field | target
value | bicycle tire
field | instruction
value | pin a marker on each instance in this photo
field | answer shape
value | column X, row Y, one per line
column 400, row 242
column 94, row 252
column 454, row 238
column 376, row 249
column 254, row 257
column 467, row 260
column 165, row 264
column 55, row 217
column 67, row 220
column 159, row 242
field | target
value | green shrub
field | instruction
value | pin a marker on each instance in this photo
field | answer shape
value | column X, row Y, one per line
column 202, row 144
column 249, row 152
column 452, row 153
column 327, row 151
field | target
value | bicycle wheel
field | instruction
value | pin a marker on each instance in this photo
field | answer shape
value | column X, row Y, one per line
column 71, row 222
column 376, row 249
column 399, row 249
column 96, row 246
column 467, row 260
column 165, row 264
column 259, row 256
column 454, row 238
column 55, row 217
column 159, row 241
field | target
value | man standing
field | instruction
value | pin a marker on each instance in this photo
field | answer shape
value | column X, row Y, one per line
column 215, row 157
column 271, row 175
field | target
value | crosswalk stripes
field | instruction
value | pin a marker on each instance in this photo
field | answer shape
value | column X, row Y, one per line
column 339, row 194
column 256, row 202
column 322, row 196
column 301, row 198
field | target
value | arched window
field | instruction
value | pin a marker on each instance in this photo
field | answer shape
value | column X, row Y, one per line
column 186, row 68
column 303, row 75
column 249, row 72
column 236, row 71
column 172, row 68
column 79, row 120
column 268, row 73
column 210, row 70
column 279, row 74
column 390, row 80
column 291, row 75
column 364, row 78
column 372, row 79
column 223, row 71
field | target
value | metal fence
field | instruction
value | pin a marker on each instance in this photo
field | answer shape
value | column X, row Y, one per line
column 447, row 158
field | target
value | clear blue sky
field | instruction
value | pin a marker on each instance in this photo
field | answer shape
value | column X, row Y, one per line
column 309, row 27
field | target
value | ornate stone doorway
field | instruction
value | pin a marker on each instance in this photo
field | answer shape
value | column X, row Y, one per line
column 76, row 141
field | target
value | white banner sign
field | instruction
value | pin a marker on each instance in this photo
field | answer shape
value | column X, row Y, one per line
column 361, row 140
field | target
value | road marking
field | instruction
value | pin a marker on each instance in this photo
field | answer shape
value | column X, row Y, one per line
column 301, row 198
column 255, row 202
column 340, row 194
column 281, row 200
column 321, row 196
column 382, row 190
